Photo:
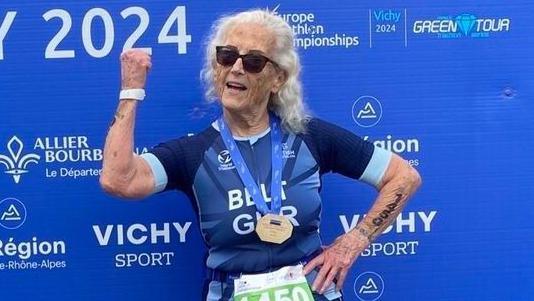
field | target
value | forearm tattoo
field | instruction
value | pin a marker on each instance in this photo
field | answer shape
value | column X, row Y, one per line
column 118, row 115
column 380, row 222
column 390, row 208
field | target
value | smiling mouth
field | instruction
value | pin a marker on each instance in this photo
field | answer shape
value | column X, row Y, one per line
column 236, row 86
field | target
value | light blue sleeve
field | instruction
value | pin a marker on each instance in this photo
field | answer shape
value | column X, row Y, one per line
column 160, row 176
column 377, row 166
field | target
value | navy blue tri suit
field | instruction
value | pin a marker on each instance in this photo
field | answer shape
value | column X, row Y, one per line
column 202, row 168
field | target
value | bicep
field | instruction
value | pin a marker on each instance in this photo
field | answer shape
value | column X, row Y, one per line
column 143, row 183
column 398, row 168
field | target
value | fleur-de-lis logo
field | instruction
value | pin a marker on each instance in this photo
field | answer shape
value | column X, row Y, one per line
column 17, row 165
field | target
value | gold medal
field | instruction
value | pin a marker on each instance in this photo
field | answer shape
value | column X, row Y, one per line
column 274, row 228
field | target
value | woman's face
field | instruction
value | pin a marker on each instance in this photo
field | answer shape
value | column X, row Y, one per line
column 239, row 90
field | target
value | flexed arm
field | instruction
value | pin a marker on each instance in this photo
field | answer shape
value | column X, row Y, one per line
column 124, row 173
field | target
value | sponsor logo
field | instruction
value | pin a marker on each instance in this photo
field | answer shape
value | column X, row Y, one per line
column 385, row 21
column 465, row 25
column 369, row 286
column 16, row 165
column 26, row 254
column 387, row 25
column 366, row 111
column 311, row 33
column 225, row 160
column 12, row 213
column 138, row 236
column 61, row 156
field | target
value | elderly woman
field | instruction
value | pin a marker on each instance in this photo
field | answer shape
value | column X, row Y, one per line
column 255, row 173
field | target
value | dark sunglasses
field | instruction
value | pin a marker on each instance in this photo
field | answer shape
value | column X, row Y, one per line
column 252, row 62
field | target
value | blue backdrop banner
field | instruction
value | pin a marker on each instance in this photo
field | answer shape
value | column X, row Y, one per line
column 448, row 85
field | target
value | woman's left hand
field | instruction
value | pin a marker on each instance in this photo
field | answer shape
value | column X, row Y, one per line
column 336, row 260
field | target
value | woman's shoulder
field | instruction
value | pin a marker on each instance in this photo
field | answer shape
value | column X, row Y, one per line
column 317, row 126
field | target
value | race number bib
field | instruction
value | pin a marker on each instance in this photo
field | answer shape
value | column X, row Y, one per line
column 285, row 284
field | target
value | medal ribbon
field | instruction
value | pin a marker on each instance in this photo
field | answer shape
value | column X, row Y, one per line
column 244, row 172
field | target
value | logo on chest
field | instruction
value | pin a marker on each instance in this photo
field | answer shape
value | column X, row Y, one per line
column 225, row 160
column 287, row 152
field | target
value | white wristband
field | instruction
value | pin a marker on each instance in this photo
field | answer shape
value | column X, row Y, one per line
column 136, row 94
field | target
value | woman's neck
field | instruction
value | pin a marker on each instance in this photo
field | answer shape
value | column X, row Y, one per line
column 249, row 124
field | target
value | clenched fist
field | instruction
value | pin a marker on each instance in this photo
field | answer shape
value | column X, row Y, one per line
column 135, row 64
